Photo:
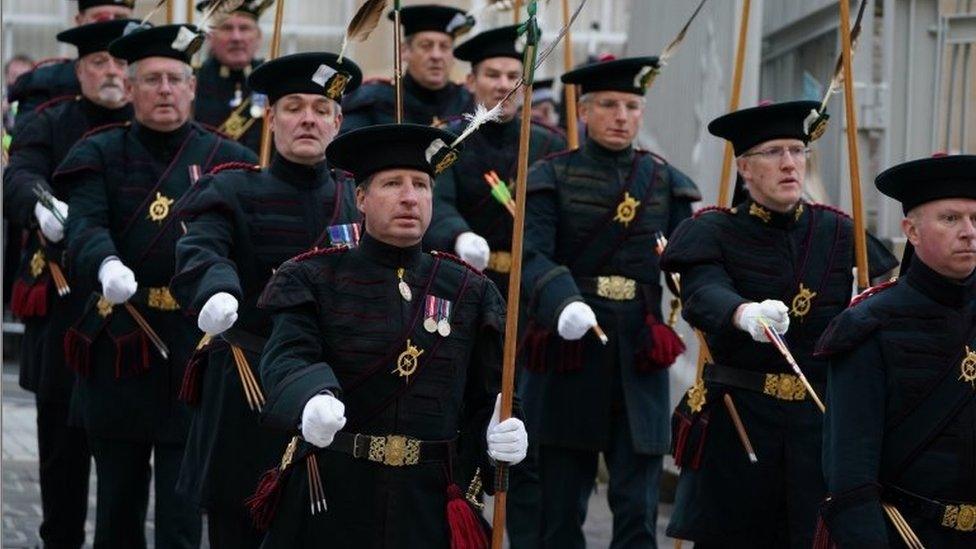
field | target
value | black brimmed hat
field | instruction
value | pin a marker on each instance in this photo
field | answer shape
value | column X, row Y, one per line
column 312, row 72
column 630, row 75
column 366, row 151
column 178, row 42
column 500, row 42
column 431, row 17
column 919, row 181
column 747, row 128
column 94, row 37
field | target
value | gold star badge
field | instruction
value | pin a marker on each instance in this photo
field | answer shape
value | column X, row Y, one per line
column 968, row 367
column 802, row 301
column 407, row 361
column 159, row 208
column 627, row 209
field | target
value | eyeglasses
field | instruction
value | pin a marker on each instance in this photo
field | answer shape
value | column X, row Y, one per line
column 776, row 153
column 155, row 80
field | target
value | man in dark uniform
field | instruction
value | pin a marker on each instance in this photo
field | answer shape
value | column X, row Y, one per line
column 58, row 78
column 470, row 221
column 242, row 225
column 900, row 430
column 224, row 99
column 378, row 356
column 124, row 183
column 591, row 218
column 42, row 300
column 773, row 259
column 429, row 96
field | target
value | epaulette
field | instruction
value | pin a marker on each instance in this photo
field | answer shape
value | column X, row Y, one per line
column 51, row 61
column 837, row 211
column 456, row 259
column 709, row 209
column 557, row 154
column 56, row 101
column 214, row 130
column 872, row 291
column 320, row 251
column 106, row 127
column 234, row 166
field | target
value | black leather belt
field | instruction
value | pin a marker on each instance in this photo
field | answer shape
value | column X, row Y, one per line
column 781, row 386
column 392, row 450
column 954, row 516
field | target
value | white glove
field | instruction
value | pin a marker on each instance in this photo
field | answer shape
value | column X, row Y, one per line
column 118, row 281
column 218, row 313
column 322, row 418
column 507, row 441
column 473, row 249
column 50, row 226
column 575, row 320
column 776, row 314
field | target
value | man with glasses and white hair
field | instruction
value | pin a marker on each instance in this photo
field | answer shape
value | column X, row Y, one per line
column 131, row 343
column 773, row 260
column 591, row 219
column 38, row 297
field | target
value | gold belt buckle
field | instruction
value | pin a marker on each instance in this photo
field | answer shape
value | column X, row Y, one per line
column 162, row 299
column 394, row 450
column 784, row 387
column 500, row 262
column 616, row 288
column 960, row 517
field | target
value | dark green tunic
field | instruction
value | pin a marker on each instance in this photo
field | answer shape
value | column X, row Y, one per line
column 571, row 233
column 217, row 87
column 727, row 258
column 40, row 145
column 375, row 103
column 463, row 200
column 339, row 325
column 241, row 225
column 887, row 353
column 115, row 177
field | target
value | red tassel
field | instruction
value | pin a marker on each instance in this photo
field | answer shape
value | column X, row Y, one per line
column 263, row 504
column 821, row 536
column 29, row 300
column 77, row 352
column 131, row 354
column 661, row 348
column 190, row 388
column 466, row 529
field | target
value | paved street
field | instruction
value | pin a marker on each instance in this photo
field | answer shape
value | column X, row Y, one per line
column 21, row 495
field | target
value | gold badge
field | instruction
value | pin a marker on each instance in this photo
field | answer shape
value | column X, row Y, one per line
column 799, row 213
column 407, row 361
column 696, row 396
column 446, row 162
column 237, row 123
column 337, row 85
column 104, row 307
column 159, row 209
column 968, row 367
column 37, row 263
column 802, row 301
column 627, row 209
column 760, row 212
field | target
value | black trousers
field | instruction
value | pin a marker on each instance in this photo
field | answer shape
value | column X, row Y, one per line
column 227, row 529
column 124, row 473
column 64, row 465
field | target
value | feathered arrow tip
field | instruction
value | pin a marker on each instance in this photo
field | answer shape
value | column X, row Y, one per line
column 363, row 23
column 482, row 115
column 816, row 122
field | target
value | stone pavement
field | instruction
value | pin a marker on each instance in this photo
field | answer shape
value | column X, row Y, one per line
column 21, row 510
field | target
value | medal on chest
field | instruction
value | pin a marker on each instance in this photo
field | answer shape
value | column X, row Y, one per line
column 402, row 285
column 437, row 315
column 802, row 302
column 408, row 361
column 627, row 209
column 968, row 367
column 159, row 209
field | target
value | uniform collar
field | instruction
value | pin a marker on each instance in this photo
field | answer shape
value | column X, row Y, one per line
column 763, row 215
column 162, row 145
column 951, row 293
column 426, row 95
column 99, row 115
column 223, row 71
column 595, row 150
column 298, row 175
column 387, row 254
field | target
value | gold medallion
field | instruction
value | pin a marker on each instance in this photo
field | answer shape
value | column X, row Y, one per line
column 802, row 301
column 407, row 361
column 37, row 263
column 104, row 307
column 159, row 209
column 696, row 396
column 627, row 209
column 968, row 367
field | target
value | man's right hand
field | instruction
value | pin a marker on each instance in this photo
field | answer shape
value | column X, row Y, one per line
column 473, row 249
column 322, row 418
column 774, row 312
column 575, row 320
column 118, row 281
column 50, row 226
column 218, row 314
